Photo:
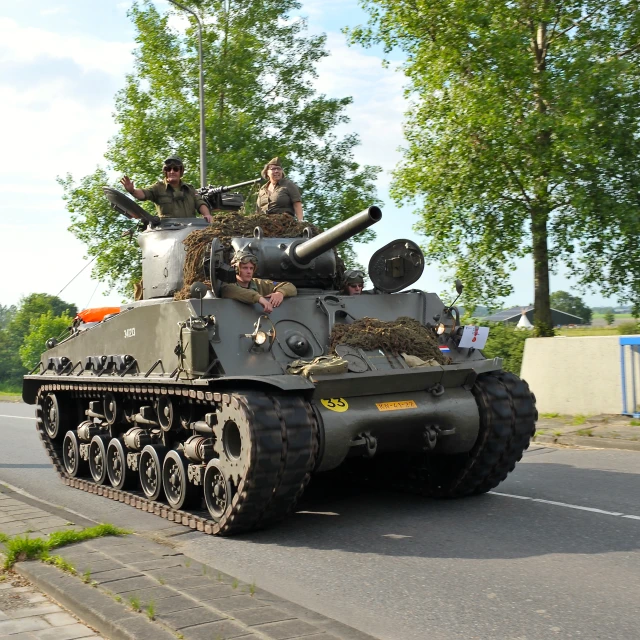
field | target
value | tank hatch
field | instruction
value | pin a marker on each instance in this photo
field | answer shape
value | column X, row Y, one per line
column 396, row 266
column 126, row 206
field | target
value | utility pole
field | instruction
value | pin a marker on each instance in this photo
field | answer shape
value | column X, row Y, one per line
column 203, row 139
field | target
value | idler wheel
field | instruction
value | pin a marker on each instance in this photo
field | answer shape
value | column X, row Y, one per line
column 120, row 476
column 175, row 479
column 74, row 465
column 218, row 491
column 98, row 458
column 150, row 466
column 51, row 416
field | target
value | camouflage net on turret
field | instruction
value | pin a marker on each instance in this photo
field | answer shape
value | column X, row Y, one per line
column 235, row 225
column 404, row 335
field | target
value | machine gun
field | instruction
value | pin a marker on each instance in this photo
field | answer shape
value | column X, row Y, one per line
column 220, row 198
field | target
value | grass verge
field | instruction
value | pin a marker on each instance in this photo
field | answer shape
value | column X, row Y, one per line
column 24, row 548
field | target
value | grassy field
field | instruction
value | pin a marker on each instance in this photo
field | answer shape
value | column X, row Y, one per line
column 588, row 331
column 623, row 316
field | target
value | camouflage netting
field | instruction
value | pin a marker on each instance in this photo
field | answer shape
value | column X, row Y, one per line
column 235, row 225
column 404, row 335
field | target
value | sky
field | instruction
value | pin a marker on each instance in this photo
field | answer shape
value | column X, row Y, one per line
column 61, row 64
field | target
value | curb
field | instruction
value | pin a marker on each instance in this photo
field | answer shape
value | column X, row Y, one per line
column 590, row 442
column 111, row 619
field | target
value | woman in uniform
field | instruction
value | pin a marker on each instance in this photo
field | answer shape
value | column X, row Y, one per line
column 279, row 195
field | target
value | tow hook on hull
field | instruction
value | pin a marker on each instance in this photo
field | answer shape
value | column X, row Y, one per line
column 364, row 445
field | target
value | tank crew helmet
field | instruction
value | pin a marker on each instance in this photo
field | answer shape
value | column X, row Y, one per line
column 173, row 161
column 242, row 257
column 272, row 163
column 354, row 276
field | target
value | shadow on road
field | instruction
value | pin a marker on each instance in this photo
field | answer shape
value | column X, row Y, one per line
column 337, row 515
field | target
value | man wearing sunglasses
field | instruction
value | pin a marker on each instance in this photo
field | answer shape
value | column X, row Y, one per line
column 172, row 197
column 353, row 282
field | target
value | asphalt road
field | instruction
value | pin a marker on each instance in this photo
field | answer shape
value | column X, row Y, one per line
column 553, row 553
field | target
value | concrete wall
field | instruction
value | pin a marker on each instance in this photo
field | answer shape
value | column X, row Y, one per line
column 575, row 375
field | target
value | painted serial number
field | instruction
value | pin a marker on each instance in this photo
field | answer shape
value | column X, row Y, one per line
column 130, row 333
column 396, row 406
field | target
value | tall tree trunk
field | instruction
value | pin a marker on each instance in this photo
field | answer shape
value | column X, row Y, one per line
column 542, row 314
column 541, row 209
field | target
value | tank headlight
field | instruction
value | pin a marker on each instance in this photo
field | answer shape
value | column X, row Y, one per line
column 259, row 338
column 441, row 329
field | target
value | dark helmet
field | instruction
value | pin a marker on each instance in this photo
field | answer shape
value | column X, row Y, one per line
column 242, row 257
column 354, row 276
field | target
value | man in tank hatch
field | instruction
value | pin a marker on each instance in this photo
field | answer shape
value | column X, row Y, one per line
column 251, row 290
column 352, row 283
column 172, row 197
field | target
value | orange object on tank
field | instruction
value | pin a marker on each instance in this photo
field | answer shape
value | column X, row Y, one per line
column 97, row 314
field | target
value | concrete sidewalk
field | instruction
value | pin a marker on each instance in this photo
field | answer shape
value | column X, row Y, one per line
column 601, row 431
column 132, row 587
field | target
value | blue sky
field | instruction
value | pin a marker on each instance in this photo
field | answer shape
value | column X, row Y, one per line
column 61, row 64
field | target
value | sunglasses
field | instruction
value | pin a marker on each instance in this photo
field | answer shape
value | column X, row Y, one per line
column 355, row 286
column 172, row 168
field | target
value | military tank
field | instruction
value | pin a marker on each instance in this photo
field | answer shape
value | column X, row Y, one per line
column 189, row 408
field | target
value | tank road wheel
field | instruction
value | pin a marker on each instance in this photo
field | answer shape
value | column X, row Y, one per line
column 150, row 466
column 507, row 423
column 74, row 465
column 217, row 490
column 175, row 479
column 98, row 459
column 53, row 414
column 165, row 413
column 111, row 409
column 120, row 476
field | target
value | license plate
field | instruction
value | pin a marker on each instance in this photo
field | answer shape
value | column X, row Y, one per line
column 396, row 406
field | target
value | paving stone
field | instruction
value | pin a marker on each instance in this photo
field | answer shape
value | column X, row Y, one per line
column 158, row 563
column 93, row 567
column 206, row 593
column 113, row 574
column 36, row 598
column 235, row 603
column 189, row 618
column 154, row 593
column 130, row 584
column 175, row 603
column 3, row 616
column 26, row 612
column 61, row 619
column 191, row 582
column 70, row 632
column 8, row 627
column 224, row 629
column 286, row 629
column 23, row 636
column 261, row 615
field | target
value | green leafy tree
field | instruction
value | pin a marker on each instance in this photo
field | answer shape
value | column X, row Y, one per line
column 41, row 329
column 563, row 301
column 522, row 138
column 506, row 342
column 609, row 318
column 259, row 67
column 12, row 337
column 6, row 314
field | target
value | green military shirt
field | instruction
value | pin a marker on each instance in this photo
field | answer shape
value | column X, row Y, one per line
column 258, row 288
column 174, row 203
column 281, row 199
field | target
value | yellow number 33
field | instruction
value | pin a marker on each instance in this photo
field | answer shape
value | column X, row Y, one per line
column 335, row 404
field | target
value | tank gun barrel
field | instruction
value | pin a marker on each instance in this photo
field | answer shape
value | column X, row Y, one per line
column 307, row 251
column 209, row 190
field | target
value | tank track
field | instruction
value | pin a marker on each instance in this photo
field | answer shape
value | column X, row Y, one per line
column 507, row 424
column 285, row 451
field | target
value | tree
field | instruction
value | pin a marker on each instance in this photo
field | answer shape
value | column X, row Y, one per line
column 260, row 102
column 6, row 313
column 41, row 329
column 522, row 138
column 12, row 337
column 563, row 301
column 609, row 318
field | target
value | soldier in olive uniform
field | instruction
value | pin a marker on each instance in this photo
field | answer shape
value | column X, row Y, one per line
column 279, row 195
column 250, row 290
column 172, row 197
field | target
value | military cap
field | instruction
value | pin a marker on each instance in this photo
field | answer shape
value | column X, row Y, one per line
column 174, row 160
column 276, row 161
column 242, row 257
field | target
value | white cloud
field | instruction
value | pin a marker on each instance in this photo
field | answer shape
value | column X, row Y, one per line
column 53, row 10
column 27, row 44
